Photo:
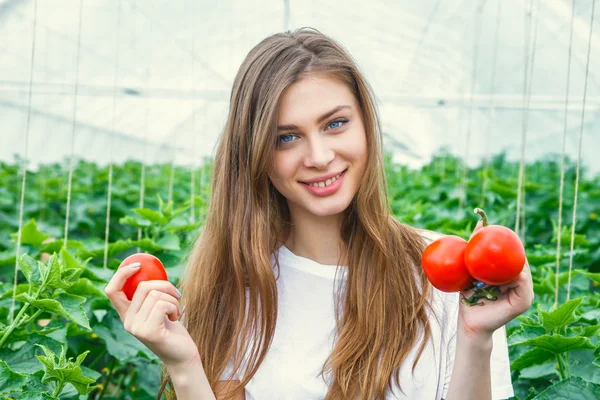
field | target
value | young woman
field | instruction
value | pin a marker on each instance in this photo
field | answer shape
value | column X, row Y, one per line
column 301, row 284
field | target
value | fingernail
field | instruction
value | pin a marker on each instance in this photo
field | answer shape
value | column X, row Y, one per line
column 178, row 292
column 135, row 265
column 480, row 284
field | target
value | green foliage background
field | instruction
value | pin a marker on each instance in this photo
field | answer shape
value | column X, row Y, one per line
column 65, row 347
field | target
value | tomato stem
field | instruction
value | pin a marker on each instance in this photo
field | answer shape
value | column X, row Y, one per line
column 480, row 291
column 483, row 215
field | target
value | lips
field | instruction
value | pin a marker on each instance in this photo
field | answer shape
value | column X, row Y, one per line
column 323, row 178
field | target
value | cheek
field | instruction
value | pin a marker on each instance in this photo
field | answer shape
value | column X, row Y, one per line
column 280, row 168
column 356, row 146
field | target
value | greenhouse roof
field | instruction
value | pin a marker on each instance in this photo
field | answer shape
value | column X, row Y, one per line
column 151, row 80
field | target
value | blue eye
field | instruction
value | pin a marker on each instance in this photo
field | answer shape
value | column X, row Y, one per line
column 280, row 138
column 338, row 121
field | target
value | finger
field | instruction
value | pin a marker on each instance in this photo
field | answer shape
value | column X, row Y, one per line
column 526, row 267
column 157, row 314
column 114, row 288
column 152, row 299
column 145, row 287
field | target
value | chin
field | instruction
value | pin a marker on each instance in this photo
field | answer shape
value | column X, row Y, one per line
column 323, row 210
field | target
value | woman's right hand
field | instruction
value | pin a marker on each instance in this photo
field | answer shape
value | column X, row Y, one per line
column 152, row 316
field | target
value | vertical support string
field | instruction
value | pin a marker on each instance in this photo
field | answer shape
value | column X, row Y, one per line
column 574, row 220
column 75, row 96
column 562, row 158
column 535, row 22
column 526, row 99
column 110, row 166
column 25, row 160
column 194, row 110
column 476, row 38
column 146, row 127
column 491, row 110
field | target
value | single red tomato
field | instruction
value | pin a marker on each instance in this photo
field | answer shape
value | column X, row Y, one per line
column 495, row 255
column 151, row 269
column 444, row 264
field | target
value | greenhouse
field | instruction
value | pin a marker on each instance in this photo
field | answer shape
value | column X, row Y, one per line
column 136, row 129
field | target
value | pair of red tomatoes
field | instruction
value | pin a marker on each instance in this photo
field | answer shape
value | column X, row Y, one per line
column 494, row 255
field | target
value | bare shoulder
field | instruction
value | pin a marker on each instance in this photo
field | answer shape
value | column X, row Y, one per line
column 222, row 387
column 428, row 235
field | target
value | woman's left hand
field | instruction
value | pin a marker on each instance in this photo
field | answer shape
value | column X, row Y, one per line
column 513, row 300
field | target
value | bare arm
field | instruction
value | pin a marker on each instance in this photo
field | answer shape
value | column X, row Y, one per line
column 471, row 373
column 190, row 381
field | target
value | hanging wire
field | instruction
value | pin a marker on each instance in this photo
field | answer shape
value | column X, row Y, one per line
column 574, row 220
column 110, row 166
column 70, row 179
column 146, row 127
column 25, row 159
column 526, row 92
column 562, row 158
column 194, row 133
column 476, row 39
column 491, row 110
column 535, row 22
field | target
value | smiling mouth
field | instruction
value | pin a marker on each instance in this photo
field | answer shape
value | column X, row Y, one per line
column 327, row 182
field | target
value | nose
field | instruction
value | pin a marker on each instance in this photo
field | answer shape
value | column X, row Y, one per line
column 319, row 153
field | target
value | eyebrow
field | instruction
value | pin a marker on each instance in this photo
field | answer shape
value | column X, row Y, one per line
column 319, row 120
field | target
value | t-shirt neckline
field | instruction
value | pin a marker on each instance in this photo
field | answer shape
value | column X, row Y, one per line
column 287, row 257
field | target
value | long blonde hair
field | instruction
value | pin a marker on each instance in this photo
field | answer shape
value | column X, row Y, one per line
column 229, row 285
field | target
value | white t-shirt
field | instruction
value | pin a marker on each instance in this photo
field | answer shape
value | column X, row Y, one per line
column 304, row 338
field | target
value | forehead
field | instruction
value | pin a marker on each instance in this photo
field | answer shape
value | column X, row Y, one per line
column 308, row 98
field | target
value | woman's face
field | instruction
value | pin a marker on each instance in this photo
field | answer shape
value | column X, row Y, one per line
column 320, row 135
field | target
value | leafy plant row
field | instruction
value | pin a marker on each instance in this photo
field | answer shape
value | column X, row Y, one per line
column 61, row 338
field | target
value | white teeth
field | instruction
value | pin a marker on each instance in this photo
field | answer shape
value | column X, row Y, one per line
column 326, row 183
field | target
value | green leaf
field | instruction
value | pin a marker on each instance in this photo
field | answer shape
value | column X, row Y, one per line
column 169, row 241
column 135, row 222
column 531, row 357
column 97, row 274
column 7, row 258
column 571, row 388
column 525, row 333
column 558, row 344
column 587, row 331
column 50, row 272
column 30, row 234
column 23, row 360
column 10, row 381
column 562, row 316
column 546, row 370
column 31, row 395
column 21, row 288
column 27, row 265
column 66, row 305
column 69, row 261
column 151, row 215
column 120, row 343
column 527, row 320
column 113, row 249
column 148, row 245
column 73, row 305
column 595, row 276
column 57, row 245
column 84, row 287
column 60, row 370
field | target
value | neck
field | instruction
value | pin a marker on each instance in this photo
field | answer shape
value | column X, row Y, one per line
column 316, row 238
